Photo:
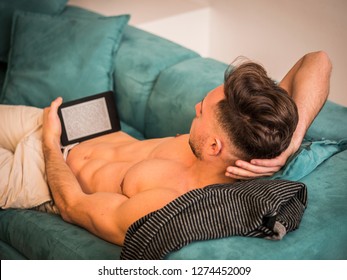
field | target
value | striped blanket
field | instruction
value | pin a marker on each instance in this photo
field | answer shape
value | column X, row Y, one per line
column 256, row 208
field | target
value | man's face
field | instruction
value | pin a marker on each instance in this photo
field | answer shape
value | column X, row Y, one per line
column 205, row 121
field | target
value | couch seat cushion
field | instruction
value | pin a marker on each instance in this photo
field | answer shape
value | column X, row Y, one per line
column 40, row 235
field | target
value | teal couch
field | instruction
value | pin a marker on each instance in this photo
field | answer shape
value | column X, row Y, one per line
column 156, row 84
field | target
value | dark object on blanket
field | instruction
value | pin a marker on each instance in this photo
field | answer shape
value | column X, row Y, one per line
column 257, row 208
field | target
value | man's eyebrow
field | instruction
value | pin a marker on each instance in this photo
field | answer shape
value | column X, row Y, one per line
column 202, row 102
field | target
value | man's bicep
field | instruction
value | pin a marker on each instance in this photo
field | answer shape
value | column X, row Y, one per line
column 144, row 203
column 109, row 215
column 99, row 214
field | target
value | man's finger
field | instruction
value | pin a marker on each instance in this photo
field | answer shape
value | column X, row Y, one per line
column 239, row 172
column 257, row 169
column 56, row 103
column 276, row 162
column 246, row 176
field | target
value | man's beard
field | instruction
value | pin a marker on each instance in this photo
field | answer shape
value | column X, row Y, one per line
column 196, row 147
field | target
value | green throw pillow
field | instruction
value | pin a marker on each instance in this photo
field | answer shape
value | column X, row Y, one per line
column 55, row 56
column 8, row 7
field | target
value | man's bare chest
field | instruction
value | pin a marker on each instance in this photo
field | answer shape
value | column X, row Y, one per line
column 125, row 166
column 131, row 178
column 157, row 173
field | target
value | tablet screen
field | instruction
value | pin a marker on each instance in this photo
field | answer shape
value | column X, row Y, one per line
column 88, row 117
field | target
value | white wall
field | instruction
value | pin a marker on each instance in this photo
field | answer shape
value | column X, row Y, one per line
column 187, row 28
column 278, row 32
column 274, row 32
column 186, row 22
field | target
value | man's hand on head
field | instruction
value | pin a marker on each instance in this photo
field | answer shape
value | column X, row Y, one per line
column 51, row 130
column 258, row 168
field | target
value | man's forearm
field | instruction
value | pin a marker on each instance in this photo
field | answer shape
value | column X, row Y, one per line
column 62, row 182
column 308, row 83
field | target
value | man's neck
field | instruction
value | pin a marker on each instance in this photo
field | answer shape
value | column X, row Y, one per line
column 203, row 171
column 207, row 173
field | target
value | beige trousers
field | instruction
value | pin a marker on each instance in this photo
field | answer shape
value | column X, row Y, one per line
column 23, row 181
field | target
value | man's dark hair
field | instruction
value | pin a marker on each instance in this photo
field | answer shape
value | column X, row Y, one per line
column 258, row 116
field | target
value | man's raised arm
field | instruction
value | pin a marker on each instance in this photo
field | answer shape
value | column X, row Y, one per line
column 308, row 84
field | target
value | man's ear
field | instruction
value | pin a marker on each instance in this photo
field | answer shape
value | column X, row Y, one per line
column 215, row 146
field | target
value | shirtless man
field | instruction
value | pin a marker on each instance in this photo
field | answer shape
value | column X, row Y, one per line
column 109, row 182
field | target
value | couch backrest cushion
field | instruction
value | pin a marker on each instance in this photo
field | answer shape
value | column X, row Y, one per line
column 64, row 56
column 3, row 67
column 139, row 61
column 8, row 7
column 170, row 107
